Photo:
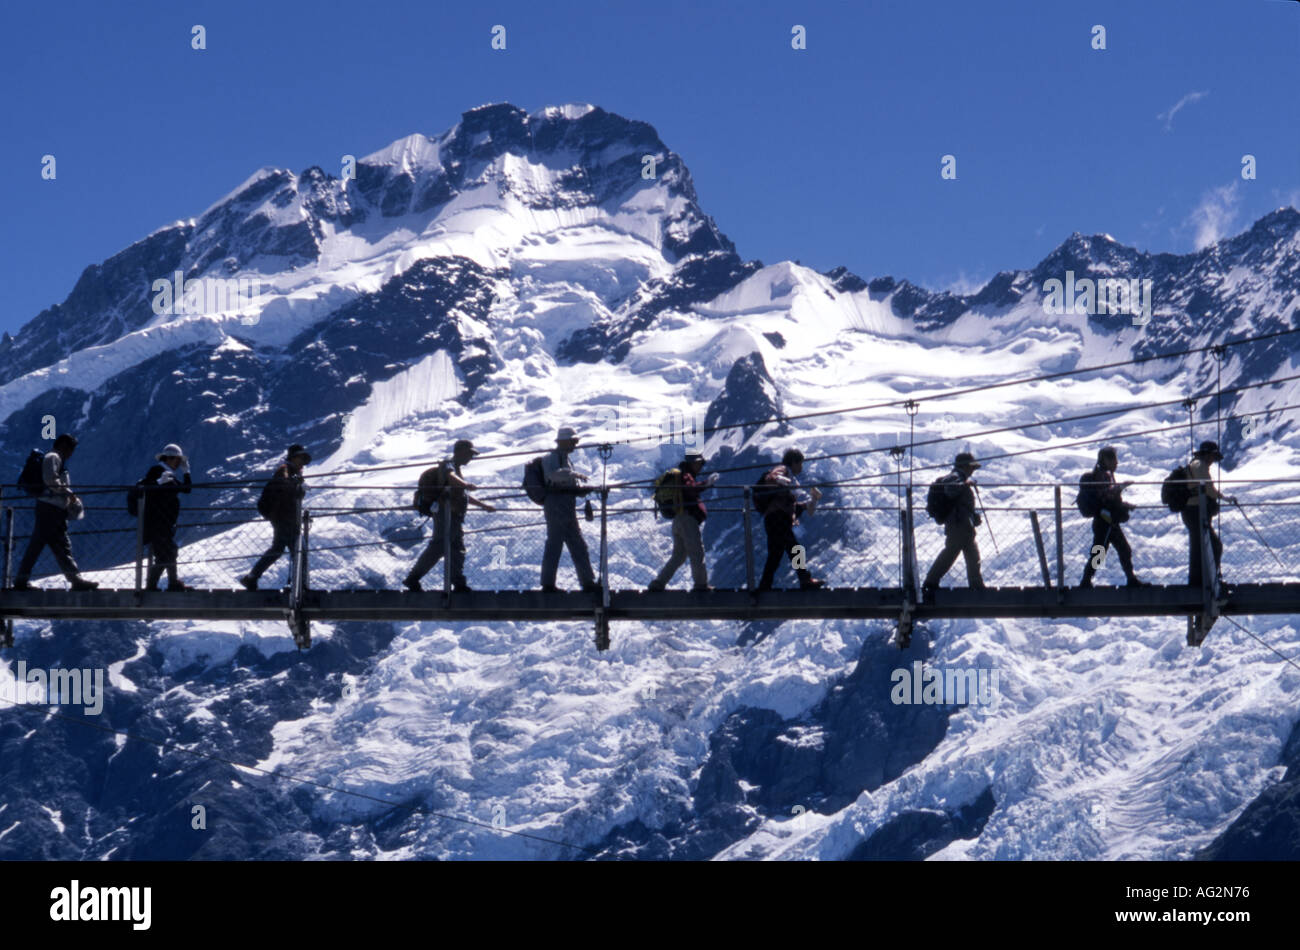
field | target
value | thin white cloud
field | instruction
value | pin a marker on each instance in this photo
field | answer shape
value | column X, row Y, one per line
column 1168, row 117
column 1215, row 216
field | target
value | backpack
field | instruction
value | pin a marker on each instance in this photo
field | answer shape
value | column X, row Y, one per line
column 133, row 493
column 32, row 477
column 765, row 491
column 668, row 493
column 268, row 502
column 1176, row 492
column 1088, row 500
column 937, row 503
column 433, row 482
column 534, row 482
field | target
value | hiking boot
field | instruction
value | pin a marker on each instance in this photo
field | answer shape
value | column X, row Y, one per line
column 592, row 588
column 550, row 589
column 927, row 594
column 656, row 588
column 461, row 587
column 412, row 584
column 80, row 583
column 811, row 583
column 700, row 590
column 249, row 582
column 1086, row 582
column 1135, row 581
column 177, row 585
column 21, row 585
column 762, row 587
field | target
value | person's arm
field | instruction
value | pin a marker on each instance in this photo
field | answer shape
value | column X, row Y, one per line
column 55, row 481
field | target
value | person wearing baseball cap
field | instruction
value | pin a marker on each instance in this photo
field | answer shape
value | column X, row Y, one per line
column 280, row 504
column 164, row 483
column 563, row 486
column 958, row 527
column 1199, row 477
column 444, row 495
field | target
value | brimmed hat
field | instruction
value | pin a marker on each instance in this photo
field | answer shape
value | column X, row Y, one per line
column 464, row 447
column 297, row 449
column 965, row 458
column 566, row 433
column 1209, row 449
column 170, row 450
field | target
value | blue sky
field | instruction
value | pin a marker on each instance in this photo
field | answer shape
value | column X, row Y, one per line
column 829, row 155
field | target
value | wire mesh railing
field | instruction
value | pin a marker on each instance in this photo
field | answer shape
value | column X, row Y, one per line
column 366, row 537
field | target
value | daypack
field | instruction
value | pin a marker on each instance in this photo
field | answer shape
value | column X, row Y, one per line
column 937, row 503
column 32, row 477
column 1176, row 492
column 1088, row 500
column 267, row 502
column 535, row 481
column 133, row 494
column 764, row 492
column 668, row 493
column 433, row 482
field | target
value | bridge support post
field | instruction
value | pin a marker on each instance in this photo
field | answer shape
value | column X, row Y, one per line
column 1198, row 625
column 298, row 622
column 139, row 540
column 1060, row 551
column 749, row 538
column 9, row 572
column 444, row 518
column 908, row 573
column 1042, row 552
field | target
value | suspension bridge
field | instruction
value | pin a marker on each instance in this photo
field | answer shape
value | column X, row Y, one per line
column 867, row 541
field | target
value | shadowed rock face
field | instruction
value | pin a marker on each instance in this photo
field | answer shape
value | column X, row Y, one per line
column 1269, row 827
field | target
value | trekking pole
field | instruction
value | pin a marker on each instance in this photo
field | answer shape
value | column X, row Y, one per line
column 985, row 515
column 1237, row 505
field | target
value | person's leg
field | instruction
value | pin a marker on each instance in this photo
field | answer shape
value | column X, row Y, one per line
column 971, row 552
column 577, row 546
column 554, row 540
column 429, row 557
column 156, row 565
column 35, row 545
column 675, row 561
column 56, row 536
column 772, row 527
column 284, row 538
column 693, row 546
column 1217, row 546
column 1122, row 548
column 952, row 546
column 1099, row 532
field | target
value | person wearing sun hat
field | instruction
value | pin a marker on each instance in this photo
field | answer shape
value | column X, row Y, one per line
column 279, row 504
column 959, row 527
column 563, row 485
column 1198, row 475
column 162, row 506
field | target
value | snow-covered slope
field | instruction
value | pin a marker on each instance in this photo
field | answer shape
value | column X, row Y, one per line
column 516, row 273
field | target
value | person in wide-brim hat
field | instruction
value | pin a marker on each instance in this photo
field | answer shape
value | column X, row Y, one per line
column 297, row 451
column 1209, row 450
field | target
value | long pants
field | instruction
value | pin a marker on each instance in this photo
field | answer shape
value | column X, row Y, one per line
column 1192, row 519
column 285, row 537
column 433, row 553
column 1109, row 535
column 562, row 531
column 162, row 542
column 686, row 543
column 50, row 530
column 958, row 538
column 781, row 541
